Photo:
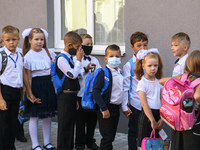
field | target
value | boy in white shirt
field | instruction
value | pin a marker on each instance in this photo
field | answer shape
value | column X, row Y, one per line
column 180, row 45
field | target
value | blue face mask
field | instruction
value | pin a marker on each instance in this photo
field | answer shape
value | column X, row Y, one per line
column 114, row 62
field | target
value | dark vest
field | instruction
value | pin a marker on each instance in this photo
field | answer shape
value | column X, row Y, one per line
column 69, row 84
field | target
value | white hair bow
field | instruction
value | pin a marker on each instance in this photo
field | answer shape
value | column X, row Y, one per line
column 27, row 31
column 142, row 53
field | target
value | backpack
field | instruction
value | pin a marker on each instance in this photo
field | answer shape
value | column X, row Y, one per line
column 178, row 102
column 132, row 74
column 88, row 101
column 57, row 82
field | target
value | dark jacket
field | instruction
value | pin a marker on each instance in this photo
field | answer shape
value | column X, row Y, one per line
column 102, row 101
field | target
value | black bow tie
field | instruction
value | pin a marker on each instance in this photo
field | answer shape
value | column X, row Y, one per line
column 86, row 57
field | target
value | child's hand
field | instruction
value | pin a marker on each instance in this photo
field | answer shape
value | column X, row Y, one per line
column 77, row 105
column 154, row 125
column 160, row 123
column 32, row 98
column 89, row 66
column 79, row 53
column 3, row 105
column 127, row 113
column 106, row 114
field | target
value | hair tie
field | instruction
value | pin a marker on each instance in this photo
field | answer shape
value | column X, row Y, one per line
column 27, row 31
column 142, row 53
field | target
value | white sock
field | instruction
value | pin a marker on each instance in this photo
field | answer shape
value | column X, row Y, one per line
column 46, row 126
column 33, row 130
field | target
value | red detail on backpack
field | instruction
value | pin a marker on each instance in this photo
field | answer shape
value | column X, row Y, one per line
column 177, row 108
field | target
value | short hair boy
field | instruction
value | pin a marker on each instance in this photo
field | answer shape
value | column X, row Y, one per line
column 110, row 101
column 67, row 99
column 138, row 41
column 86, row 120
column 180, row 44
column 11, row 80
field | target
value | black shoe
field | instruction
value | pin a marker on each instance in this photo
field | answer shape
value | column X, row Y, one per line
column 22, row 139
column 51, row 148
column 94, row 146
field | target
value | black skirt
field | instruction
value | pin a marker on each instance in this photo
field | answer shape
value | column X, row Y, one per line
column 43, row 89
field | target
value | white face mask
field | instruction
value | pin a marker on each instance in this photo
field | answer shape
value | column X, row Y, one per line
column 114, row 62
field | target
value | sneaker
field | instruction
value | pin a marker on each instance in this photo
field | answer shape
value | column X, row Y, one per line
column 94, row 146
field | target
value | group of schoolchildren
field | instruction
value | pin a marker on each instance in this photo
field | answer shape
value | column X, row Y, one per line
column 137, row 90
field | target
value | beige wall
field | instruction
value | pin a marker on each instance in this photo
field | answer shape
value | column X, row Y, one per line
column 161, row 19
column 23, row 14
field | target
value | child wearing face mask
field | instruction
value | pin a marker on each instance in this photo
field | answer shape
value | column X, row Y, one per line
column 85, row 118
column 110, row 101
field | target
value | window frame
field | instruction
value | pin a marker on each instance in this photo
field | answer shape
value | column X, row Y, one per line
column 59, row 44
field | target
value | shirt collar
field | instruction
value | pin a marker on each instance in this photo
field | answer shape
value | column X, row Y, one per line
column 9, row 52
column 180, row 61
column 113, row 70
column 134, row 58
column 66, row 53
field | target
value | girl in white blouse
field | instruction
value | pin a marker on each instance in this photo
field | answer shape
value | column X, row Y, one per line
column 37, row 62
column 148, row 69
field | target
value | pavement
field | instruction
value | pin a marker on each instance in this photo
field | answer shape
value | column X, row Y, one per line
column 120, row 142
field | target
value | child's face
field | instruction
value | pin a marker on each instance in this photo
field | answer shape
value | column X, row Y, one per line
column 151, row 67
column 112, row 53
column 37, row 42
column 139, row 45
column 178, row 48
column 87, row 42
column 11, row 41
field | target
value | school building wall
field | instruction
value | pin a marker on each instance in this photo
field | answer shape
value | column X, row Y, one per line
column 160, row 20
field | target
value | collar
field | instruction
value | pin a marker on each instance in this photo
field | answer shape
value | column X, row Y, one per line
column 8, row 52
column 113, row 70
column 180, row 61
column 134, row 58
column 66, row 53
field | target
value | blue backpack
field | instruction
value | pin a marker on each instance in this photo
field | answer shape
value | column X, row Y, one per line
column 57, row 82
column 132, row 74
column 88, row 101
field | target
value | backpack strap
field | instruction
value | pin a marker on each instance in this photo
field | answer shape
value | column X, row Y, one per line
column 4, row 61
column 184, row 77
column 195, row 82
column 132, row 74
column 63, row 55
column 106, row 80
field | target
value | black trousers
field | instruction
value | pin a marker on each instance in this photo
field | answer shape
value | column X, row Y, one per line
column 9, row 117
column 133, row 128
column 66, row 119
column 108, row 127
column 19, row 129
column 88, row 119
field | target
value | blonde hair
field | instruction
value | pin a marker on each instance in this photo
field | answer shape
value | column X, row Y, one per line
column 72, row 37
column 10, row 29
column 192, row 64
column 85, row 36
column 181, row 36
column 27, row 45
column 138, row 70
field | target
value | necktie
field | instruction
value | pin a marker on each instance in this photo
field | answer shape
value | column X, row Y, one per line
column 86, row 57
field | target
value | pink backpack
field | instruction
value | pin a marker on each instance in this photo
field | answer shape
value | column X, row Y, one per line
column 177, row 108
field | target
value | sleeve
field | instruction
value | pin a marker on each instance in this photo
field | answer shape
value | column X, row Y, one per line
column 0, row 61
column 126, row 85
column 98, row 85
column 65, row 67
column 53, row 55
column 141, row 86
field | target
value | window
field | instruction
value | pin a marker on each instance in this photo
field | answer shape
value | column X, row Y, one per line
column 102, row 19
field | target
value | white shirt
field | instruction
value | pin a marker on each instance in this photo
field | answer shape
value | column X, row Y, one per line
column 83, row 74
column 38, row 63
column 179, row 66
column 65, row 67
column 12, row 76
column 117, row 86
column 152, row 90
column 134, row 97
column 17, row 49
